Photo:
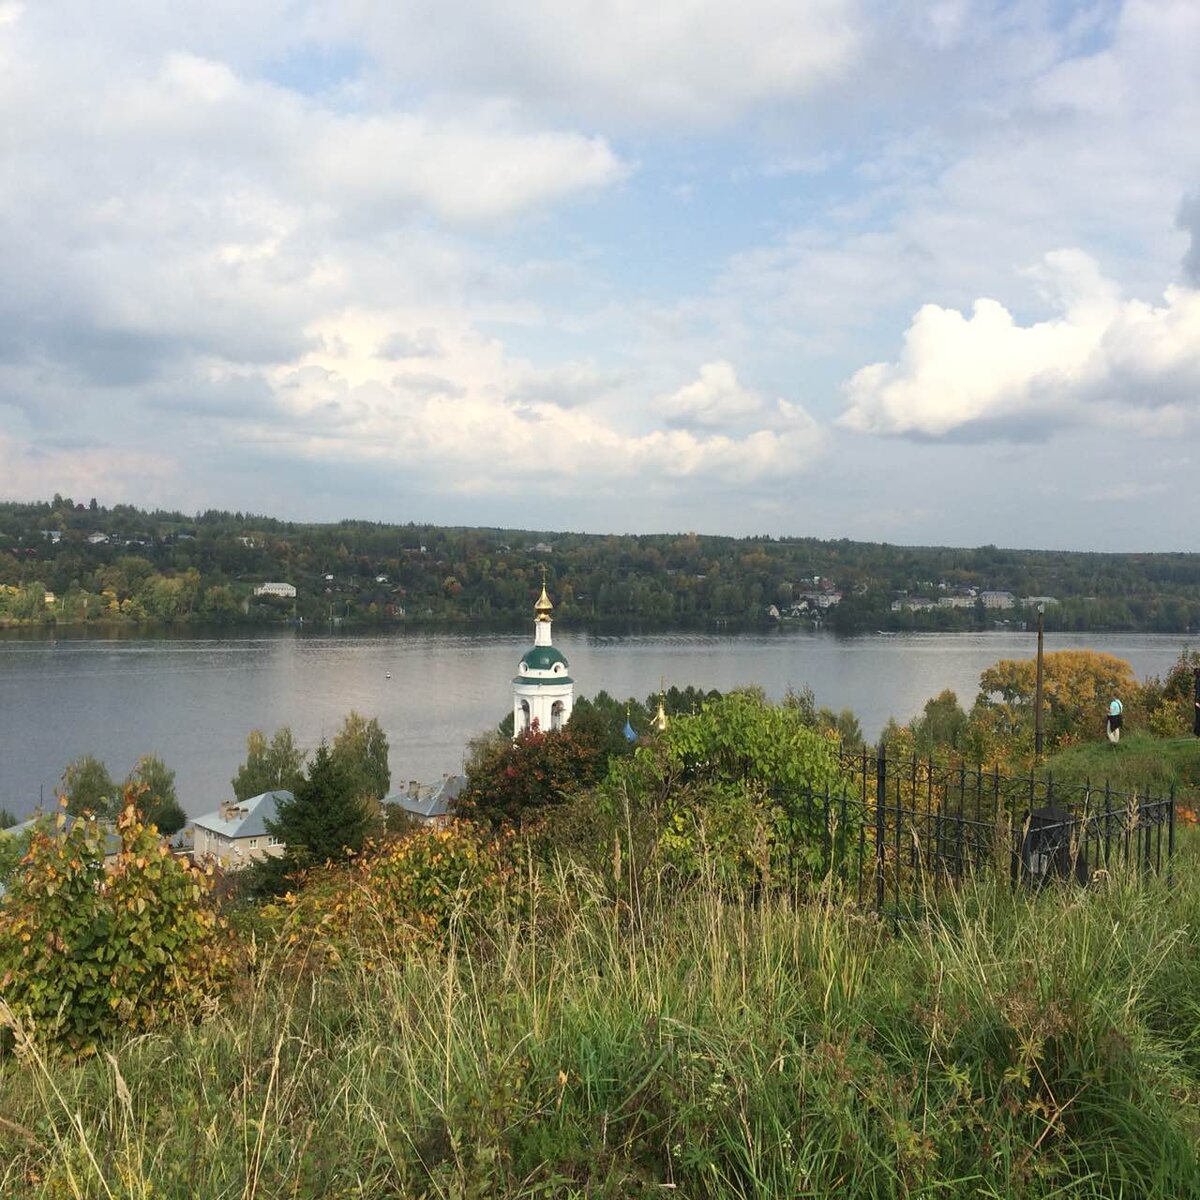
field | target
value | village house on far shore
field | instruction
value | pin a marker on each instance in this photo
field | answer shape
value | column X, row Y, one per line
column 285, row 591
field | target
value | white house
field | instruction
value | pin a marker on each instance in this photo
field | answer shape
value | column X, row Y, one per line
column 236, row 834
column 286, row 591
column 912, row 604
column 823, row 599
column 997, row 599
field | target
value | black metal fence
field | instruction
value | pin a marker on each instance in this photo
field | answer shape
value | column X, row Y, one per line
column 900, row 832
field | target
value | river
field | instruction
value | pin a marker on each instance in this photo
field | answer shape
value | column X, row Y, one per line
column 192, row 700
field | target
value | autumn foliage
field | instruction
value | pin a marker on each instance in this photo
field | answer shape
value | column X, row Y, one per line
column 416, row 891
column 1077, row 688
column 89, row 947
column 510, row 782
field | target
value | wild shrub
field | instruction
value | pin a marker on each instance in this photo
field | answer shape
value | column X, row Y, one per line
column 1171, row 701
column 89, row 948
column 726, row 788
column 413, row 891
column 515, row 782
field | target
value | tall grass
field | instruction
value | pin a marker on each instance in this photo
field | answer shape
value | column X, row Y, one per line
column 1021, row 1045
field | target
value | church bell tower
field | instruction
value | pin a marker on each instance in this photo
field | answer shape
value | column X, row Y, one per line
column 543, row 690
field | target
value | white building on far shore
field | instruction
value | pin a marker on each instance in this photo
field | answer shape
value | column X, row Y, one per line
column 286, row 591
column 997, row 599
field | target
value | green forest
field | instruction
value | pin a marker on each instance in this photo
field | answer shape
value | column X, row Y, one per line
column 64, row 562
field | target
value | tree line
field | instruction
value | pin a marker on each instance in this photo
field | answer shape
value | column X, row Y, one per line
column 69, row 563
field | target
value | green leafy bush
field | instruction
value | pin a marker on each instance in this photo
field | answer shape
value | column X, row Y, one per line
column 726, row 790
column 88, row 948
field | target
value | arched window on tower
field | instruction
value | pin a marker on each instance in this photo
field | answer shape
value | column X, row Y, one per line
column 556, row 715
column 524, row 714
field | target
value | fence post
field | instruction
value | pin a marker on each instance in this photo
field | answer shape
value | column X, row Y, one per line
column 1171, row 837
column 1089, row 820
column 880, row 823
column 1144, row 833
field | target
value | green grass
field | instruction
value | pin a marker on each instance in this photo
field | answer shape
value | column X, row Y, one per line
column 1137, row 762
column 1024, row 1046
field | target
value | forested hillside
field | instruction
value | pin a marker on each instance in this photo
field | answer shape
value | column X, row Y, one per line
column 70, row 563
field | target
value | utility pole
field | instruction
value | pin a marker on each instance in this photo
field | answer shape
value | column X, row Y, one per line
column 1037, row 699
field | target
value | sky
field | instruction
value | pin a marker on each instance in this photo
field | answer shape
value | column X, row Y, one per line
column 916, row 271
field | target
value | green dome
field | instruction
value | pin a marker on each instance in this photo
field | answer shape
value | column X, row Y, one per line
column 543, row 658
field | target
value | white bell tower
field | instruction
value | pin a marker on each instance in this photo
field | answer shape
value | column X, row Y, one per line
column 543, row 690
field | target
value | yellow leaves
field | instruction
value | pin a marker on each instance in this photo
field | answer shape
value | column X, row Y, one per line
column 1077, row 686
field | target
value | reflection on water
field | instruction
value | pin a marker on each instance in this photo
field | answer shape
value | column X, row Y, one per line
column 193, row 700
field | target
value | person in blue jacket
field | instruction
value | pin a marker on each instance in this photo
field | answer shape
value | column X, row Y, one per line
column 1113, row 723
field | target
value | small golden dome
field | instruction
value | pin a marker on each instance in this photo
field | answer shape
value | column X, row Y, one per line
column 543, row 607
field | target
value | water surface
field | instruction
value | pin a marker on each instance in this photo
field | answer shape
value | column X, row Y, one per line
column 192, row 700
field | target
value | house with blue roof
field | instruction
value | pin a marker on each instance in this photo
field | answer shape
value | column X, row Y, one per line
column 432, row 804
column 236, row 834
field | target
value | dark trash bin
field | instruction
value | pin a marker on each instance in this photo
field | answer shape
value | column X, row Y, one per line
column 1046, row 847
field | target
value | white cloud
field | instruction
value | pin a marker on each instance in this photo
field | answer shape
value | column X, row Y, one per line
column 713, row 400
column 676, row 61
column 399, row 344
column 341, row 248
column 1100, row 360
column 482, row 429
column 568, row 385
column 985, row 152
column 475, row 166
column 162, row 207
